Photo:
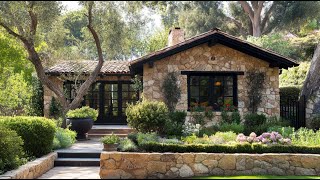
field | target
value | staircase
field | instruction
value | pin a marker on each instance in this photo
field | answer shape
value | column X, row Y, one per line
column 78, row 159
column 100, row 131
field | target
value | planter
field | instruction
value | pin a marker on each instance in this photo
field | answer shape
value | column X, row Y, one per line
column 110, row 147
column 81, row 126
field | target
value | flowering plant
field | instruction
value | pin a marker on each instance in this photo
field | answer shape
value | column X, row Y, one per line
column 264, row 138
column 190, row 128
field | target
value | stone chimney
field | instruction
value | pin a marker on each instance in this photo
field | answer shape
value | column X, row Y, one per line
column 176, row 35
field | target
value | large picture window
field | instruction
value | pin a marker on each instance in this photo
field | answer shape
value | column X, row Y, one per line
column 212, row 90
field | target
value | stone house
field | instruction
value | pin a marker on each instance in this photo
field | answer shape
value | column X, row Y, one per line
column 213, row 71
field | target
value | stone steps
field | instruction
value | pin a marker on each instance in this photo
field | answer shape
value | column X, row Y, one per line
column 101, row 135
column 110, row 131
column 78, row 159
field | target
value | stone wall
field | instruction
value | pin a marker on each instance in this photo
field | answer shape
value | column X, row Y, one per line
column 33, row 169
column 215, row 58
column 117, row 165
column 312, row 108
column 48, row 94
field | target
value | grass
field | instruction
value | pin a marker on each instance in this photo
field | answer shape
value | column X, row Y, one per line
column 258, row 177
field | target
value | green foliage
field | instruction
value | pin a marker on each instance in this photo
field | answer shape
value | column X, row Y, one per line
column 234, row 127
column 236, row 148
column 36, row 132
column 286, row 132
column 171, row 90
column 64, row 138
column 306, row 137
column 133, row 137
column 226, row 136
column 174, row 123
column 83, row 112
column 197, row 115
column 295, row 76
column 253, row 123
column 55, row 108
column 36, row 101
column 255, row 85
column 230, row 117
column 315, row 122
column 209, row 130
column 147, row 116
column 15, row 93
column 137, row 83
column 127, row 145
column 289, row 93
column 143, row 138
column 190, row 139
column 11, row 151
column 110, row 139
column 170, row 141
column 156, row 41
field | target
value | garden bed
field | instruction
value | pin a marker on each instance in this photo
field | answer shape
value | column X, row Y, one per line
column 181, row 165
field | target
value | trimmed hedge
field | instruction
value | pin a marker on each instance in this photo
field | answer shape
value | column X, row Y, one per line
column 36, row 132
column 11, row 151
column 238, row 148
column 290, row 92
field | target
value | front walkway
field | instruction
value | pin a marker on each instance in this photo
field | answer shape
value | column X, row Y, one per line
column 67, row 172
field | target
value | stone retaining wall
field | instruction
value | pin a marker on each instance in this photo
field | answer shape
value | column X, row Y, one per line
column 181, row 165
column 33, row 169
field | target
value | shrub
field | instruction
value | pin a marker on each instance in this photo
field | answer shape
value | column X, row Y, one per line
column 170, row 141
column 83, row 112
column 234, row 127
column 36, row 132
column 174, row 125
column 190, row 139
column 11, row 151
column 110, row 139
column 236, row 118
column 190, row 128
column 65, row 138
column 147, row 116
column 286, row 132
column 227, row 136
column 289, row 93
column 306, row 137
column 235, row 148
column 315, row 122
column 55, row 109
column 147, row 137
column 266, row 138
column 126, row 145
column 209, row 130
column 171, row 90
column 230, row 117
column 253, row 123
column 133, row 137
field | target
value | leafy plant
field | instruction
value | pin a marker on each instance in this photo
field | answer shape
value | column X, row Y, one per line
column 36, row 132
column 83, row 112
column 147, row 116
column 226, row 136
column 190, row 128
column 189, row 139
column 171, row 90
column 11, row 151
column 143, row 138
column 253, row 123
column 265, row 138
column 234, row 127
column 55, row 109
column 286, row 132
column 65, row 138
column 127, row 145
column 315, row 122
column 306, row 137
column 174, row 123
column 255, row 85
column 137, row 83
column 110, row 139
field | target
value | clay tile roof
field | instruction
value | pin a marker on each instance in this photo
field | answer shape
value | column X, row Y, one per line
column 87, row 66
column 217, row 36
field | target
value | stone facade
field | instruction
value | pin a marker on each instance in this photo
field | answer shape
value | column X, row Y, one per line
column 117, row 165
column 312, row 108
column 48, row 94
column 215, row 58
column 33, row 169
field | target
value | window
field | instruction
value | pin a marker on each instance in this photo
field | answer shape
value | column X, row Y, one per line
column 212, row 90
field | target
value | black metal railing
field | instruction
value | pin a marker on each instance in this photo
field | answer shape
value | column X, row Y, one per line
column 294, row 110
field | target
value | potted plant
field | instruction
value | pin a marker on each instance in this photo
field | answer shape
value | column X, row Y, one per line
column 110, row 142
column 81, row 120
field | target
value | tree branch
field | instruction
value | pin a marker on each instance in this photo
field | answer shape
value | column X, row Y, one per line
column 239, row 25
column 267, row 15
column 85, row 86
column 34, row 20
column 10, row 31
column 246, row 7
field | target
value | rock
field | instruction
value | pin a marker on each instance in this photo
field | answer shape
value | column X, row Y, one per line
column 200, row 169
column 210, row 163
column 259, row 171
column 228, row 162
column 217, row 171
column 241, row 165
column 276, row 171
column 156, row 167
column 110, row 164
column 188, row 158
column 185, row 171
column 310, row 162
column 304, row 171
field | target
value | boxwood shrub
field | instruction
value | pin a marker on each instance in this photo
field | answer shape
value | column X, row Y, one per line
column 11, row 151
column 237, row 148
column 36, row 132
column 290, row 92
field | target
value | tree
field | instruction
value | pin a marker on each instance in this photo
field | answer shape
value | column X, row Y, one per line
column 266, row 16
column 21, row 19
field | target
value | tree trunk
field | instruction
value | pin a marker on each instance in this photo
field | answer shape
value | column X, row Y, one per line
column 254, row 13
column 256, row 26
column 311, row 87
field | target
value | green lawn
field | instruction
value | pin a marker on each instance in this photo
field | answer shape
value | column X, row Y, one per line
column 258, row 177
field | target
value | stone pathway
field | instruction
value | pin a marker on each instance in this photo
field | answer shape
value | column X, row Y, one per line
column 72, row 173
column 67, row 172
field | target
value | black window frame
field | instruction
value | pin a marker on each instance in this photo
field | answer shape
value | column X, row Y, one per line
column 211, row 75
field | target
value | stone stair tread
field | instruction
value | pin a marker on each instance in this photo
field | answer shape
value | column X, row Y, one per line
column 78, row 159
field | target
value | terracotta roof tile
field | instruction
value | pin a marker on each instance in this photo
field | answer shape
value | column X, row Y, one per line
column 87, row 66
